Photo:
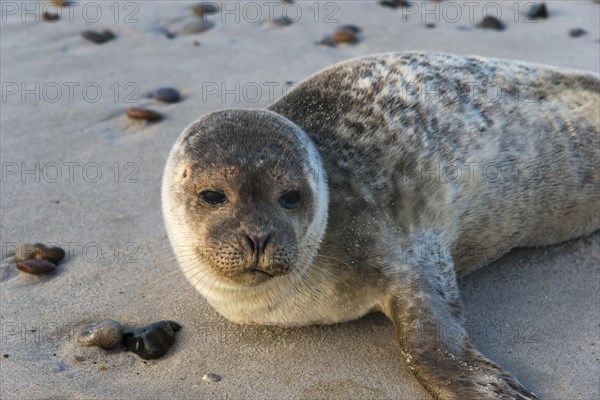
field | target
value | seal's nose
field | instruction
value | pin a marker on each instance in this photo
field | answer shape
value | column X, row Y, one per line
column 258, row 244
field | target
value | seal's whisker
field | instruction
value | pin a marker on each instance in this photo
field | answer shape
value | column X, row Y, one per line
column 334, row 258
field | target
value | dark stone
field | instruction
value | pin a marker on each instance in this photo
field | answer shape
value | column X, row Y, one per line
column 351, row 28
column 152, row 341
column 576, row 32
column 53, row 254
column 50, row 17
column 167, row 95
column 281, row 21
column 144, row 113
column 394, row 3
column 538, row 11
column 98, row 37
column 36, row 267
column 491, row 23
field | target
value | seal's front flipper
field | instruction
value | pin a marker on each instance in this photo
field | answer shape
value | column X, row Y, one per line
column 426, row 310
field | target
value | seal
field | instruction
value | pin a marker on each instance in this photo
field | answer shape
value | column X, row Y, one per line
column 373, row 185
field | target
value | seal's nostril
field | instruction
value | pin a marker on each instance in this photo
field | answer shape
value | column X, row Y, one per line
column 252, row 242
column 258, row 243
column 261, row 241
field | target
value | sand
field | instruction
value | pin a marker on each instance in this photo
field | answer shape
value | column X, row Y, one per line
column 77, row 172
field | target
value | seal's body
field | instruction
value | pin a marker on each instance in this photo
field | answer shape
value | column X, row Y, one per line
column 373, row 184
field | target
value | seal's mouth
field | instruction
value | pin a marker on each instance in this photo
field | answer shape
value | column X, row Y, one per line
column 256, row 275
column 253, row 277
column 258, row 271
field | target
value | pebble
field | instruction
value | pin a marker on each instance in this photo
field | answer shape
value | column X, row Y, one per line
column 105, row 334
column 352, row 28
column 210, row 377
column 576, row 32
column 166, row 95
column 39, row 251
column 144, row 113
column 344, row 34
column 98, row 37
column 50, row 17
column 152, row 341
column 196, row 27
column 79, row 358
column 203, row 9
column 101, row 367
column 36, row 267
column 491, row 23
column 344, row 37
column 281, row 21
column 394, row 3
column 538, row 11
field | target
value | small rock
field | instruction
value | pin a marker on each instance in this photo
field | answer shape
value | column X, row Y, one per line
column 429, row 25
column 5, row 355
column 352, row 28
column 50, row 17
column 203, row 9
column 152, row 341
column 538, row 11
column 39, row 251
column 394, row 3
column 491, row 23
column 196, row 27
column 281, row 21
column 98, row 37
column 344, row 34
column 144, row 113
column 168, row 34
column 36, row 267
column 101, row 367
column 196, row 43
column 344, row 37
column 576, row 32
column 79, row 358
column 166, row 95
column 210, row 377
column 105, row 334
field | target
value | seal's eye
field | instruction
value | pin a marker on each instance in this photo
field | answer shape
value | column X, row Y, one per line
column 290, row 199
column 213, row 197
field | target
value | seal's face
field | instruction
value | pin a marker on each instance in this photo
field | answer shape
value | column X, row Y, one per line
column 242, row 188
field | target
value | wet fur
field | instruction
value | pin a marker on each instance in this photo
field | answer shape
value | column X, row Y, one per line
column 398, row 231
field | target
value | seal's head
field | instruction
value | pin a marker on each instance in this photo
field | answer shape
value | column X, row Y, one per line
column 244, row 199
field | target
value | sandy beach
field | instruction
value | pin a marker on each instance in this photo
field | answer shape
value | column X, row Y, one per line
column 77, row 172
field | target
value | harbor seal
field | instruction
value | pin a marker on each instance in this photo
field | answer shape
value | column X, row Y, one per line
column 373, row 185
